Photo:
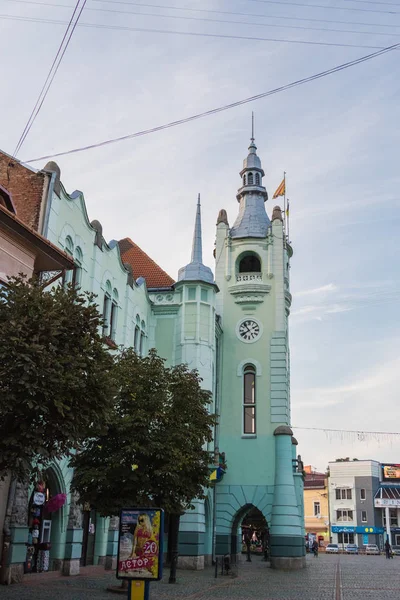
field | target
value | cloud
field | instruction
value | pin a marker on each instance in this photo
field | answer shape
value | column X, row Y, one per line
column 330, row 287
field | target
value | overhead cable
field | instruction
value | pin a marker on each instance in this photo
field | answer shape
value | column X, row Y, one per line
column 251, row 38
column 213, row 111
column 80, row 4
column 219, row 12
column 208, row 20
column 326, row 7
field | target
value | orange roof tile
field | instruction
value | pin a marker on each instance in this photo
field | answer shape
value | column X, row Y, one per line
column 144, row 266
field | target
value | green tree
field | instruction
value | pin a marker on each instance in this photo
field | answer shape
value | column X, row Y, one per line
column 56, row 384
column 153, row 451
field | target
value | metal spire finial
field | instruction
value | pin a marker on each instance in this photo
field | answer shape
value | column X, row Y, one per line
column 197, row 250
column 252, row 126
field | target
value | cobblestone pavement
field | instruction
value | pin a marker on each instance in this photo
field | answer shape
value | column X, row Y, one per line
column 326, row 578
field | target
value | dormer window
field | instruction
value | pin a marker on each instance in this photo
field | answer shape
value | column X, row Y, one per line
column 250, row 178
column 257, row 178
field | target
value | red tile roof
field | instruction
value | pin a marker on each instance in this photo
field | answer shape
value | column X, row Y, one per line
column 144, row 266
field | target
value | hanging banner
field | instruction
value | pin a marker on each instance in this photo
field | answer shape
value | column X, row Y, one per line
column 140, row 543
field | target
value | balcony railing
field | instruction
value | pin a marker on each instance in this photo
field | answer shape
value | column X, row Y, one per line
column 249, row 277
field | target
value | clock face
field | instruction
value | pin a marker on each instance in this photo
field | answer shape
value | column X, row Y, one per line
column 249, row 330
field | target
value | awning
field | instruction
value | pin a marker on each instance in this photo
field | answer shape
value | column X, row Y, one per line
column 387, row 495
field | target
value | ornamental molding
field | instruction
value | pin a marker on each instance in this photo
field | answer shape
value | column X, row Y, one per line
column 249, row 293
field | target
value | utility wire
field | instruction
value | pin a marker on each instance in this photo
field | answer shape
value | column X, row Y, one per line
column 326, row 7
column 52, row 73
column 355, row 431
column 240, row 14
column 204, row 19
column 251, row 38
column 226, row 106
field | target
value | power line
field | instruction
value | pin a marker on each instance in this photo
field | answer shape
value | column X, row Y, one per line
column 326, row 7
column 347, row 430
column 204, row 19
column 196, row 33
column 245, row 14
column 52, row 73
column 226, row 106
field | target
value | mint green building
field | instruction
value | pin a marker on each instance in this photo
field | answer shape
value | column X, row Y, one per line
column 233, row 328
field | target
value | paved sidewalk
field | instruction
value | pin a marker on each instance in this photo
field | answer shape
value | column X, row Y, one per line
column 326, row 578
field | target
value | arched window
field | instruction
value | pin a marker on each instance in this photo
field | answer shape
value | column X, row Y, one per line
column 69, row 249
column 249, row 400
column 250, row 264
column 107, row 309
column 257, row 178
column 136, row 339
column 250, row 178
column 142, row 337
column 244, row 179
column 78, row 259
column 114, row 315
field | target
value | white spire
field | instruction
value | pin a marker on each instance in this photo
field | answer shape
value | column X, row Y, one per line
column 195, row 270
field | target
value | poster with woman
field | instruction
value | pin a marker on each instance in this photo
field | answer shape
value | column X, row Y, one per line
column 140, row 547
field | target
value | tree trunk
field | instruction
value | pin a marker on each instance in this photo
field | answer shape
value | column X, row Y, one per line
column 174, row 535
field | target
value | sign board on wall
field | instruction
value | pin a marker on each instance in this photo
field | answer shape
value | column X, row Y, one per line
column 379, row 502
column 140, row 544
column 391, row 472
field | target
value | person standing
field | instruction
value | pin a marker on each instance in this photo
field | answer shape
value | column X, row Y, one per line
column 388, row 549
column 315, row 548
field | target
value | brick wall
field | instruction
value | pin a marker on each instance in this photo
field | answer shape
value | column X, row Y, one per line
column 26, row 188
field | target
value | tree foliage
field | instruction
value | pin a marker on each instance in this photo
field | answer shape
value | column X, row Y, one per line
column 153, row 450
column 56, row 382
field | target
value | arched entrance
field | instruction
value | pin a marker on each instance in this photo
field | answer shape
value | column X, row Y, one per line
column 249, row 530
column 46, row 513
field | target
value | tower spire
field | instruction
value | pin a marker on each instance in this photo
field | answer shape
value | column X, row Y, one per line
column 252, row 126
column 197, row 247
column 195, row 270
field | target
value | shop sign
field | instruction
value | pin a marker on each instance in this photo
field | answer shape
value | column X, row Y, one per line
column 340, row 529
column 140, row 544
column 391, row 472
column 369, row 530
column 379, row 502
column 38, row 498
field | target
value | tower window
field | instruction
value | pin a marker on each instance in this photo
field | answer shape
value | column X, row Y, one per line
column 250, row 264
column 249, row 400
column 244, row 179
column 257, row 178
column 250, row 179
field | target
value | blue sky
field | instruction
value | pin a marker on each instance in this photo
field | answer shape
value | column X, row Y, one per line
column 337, row 138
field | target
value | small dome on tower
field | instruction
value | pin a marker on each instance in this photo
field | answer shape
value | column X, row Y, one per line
column 222, row 217
column 277, row 213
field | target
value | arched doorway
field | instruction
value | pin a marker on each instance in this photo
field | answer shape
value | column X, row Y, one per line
column 250, row 527
column 45, row 521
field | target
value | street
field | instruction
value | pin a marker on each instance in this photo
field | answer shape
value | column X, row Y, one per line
column 326, row 577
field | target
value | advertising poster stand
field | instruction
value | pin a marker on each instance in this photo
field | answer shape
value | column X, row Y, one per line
column 140, row 549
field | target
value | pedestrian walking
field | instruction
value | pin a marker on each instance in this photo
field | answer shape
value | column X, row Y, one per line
column 388, row 549
column 315, row 548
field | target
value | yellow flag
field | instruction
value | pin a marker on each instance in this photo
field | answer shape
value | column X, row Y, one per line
column 280, row 191
column 213, row 475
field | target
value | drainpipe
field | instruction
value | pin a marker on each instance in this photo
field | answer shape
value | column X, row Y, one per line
column 4, row 575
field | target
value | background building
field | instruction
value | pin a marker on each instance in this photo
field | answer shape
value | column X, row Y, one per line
column 233, row 329
column 352, row 488
column 316, row 506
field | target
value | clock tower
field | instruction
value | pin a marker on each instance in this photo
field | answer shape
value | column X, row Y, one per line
column 253, row 394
